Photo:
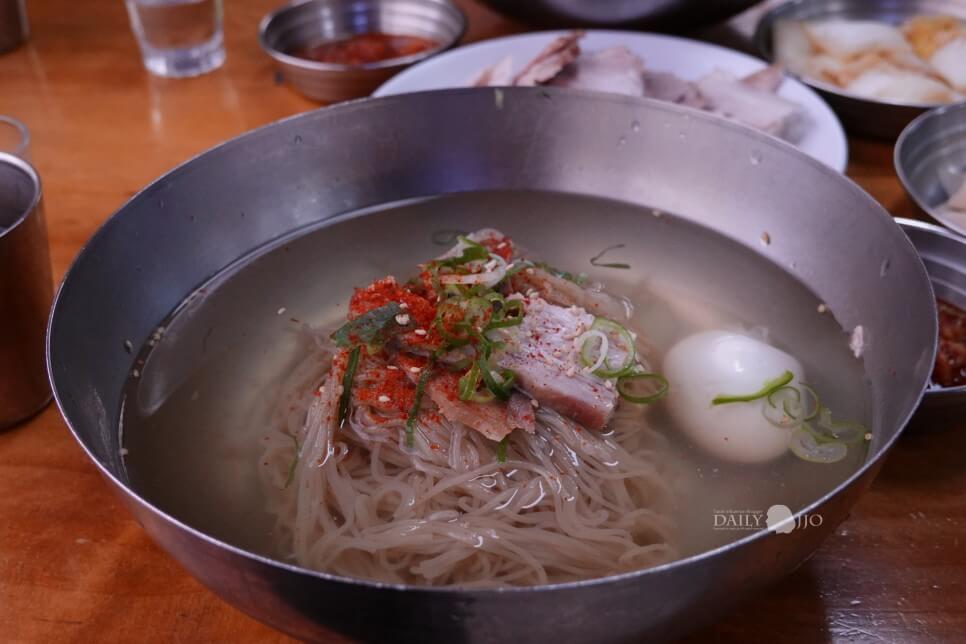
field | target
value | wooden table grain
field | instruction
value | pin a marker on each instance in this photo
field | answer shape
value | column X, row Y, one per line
column 74, row 567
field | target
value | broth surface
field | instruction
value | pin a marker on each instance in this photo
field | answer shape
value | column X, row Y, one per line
column 192, row 421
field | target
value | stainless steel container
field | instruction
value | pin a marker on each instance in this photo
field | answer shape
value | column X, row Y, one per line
column 822, row 229
column 642, row 14
column 26, row 290
column 13, row 24
column 944, row 255
column 863, row 116
column 313, row 22
column 928, row 153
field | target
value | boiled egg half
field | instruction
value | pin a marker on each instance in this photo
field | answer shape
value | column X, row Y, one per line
column 713, row 363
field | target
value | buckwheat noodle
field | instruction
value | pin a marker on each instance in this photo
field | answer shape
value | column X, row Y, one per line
column 567, row 504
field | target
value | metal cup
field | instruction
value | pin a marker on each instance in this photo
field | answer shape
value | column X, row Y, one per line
column 26, row 291
column 13, row 24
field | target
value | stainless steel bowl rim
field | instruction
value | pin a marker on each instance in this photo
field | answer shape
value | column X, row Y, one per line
column 389, row 63
column 939, row 392
column 872, row 459
column 28, row 169
column 907, row 133
column 763, row 34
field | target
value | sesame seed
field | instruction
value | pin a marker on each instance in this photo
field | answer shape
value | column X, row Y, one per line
column 415, row 369
column 822, row 308
column 280, row 311
column 128, row 346
column 533, row 401
column 529, row 271
column 501, row 245
column 490, row 265
column 868, row 437
column 420, row 331
column 765, row 238
column 402, row 319
column 383, row 399
column 135, row 373
column 392, row 367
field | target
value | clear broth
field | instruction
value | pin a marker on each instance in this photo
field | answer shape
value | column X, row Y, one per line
column 192, row 421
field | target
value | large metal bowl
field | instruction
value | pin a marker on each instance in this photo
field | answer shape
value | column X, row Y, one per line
column 216, row 208
column 868, row 117
column 675, row 15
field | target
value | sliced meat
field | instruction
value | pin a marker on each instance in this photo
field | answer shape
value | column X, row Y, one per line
column 728, row 96
column 615, row 70
column 548, row 63
column 499, row 75
column 557, row 290
column 768, row 79
column 494, row 419
column 521, row 412
column 665, row 86
column 542, row 354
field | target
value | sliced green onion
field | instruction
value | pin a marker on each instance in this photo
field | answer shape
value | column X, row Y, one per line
column 469, row 382
column 501, row 450
column 783, row 408
column 657, row 384
column 347, row 378
column 417, row 403
column 294, row 463
column 766, row 389
column 603, row 328
column 811, row 410
column 594, row 262
column 472, row 251
column 848, row 432
column 511, row 314
column 369, row 327
column 500, row 389
column 804, row 445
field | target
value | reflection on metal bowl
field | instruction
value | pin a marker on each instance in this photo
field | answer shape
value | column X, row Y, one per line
column 219, row 207
column 678, row 15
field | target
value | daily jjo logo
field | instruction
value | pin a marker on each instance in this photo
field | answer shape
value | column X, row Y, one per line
column 778, row 518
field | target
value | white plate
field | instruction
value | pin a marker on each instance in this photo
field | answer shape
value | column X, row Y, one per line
column 824, row 139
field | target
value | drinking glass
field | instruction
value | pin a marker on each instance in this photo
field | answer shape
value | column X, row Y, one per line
column 178, row 38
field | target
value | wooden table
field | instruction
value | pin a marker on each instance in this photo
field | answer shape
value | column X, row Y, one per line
column 75, row 568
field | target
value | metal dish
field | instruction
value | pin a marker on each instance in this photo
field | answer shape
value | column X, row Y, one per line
column 930, row 146
column 312, row 22
column 944, row 255
column 649, row 14
column 864, row 116
column 306, row 170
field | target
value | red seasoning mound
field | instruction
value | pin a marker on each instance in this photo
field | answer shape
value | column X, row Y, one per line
column 365, row 48
column 950, row 370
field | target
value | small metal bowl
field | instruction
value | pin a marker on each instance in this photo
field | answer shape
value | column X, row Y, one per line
column 930, row 146
column 864, row 116
column 944, row 255
column 314, row 22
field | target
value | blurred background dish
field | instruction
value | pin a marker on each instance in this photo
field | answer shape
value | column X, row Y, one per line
column 647, row 14
column 944, row 255
column 823, row 137
column 358, row 35
column 930, row 159
column 880, row 118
